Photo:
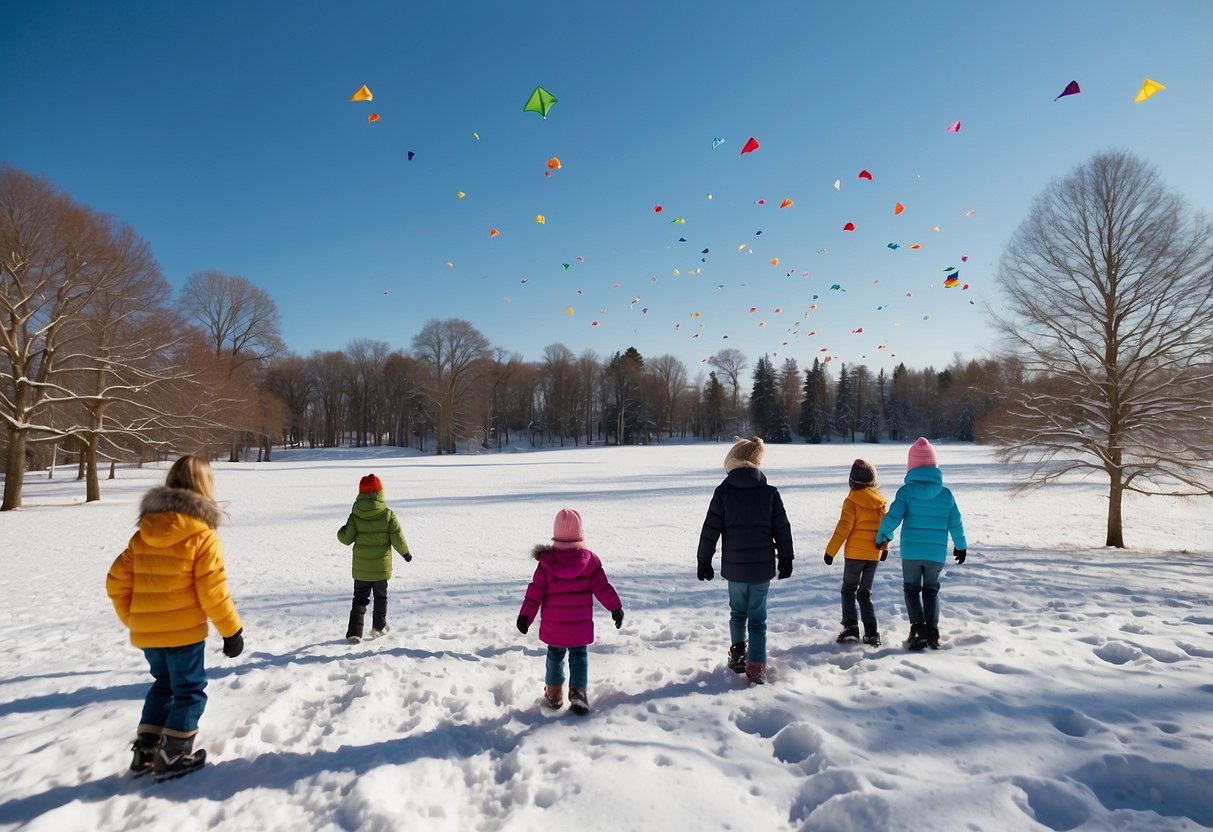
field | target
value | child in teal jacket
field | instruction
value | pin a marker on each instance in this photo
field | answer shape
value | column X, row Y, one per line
column 929, row 512
column 374, row 530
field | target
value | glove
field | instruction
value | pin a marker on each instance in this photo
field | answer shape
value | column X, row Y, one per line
column 408, row 557
column 785, row 568
column 233, row 645
column 884, row 554
column 960, row 554
column 706, row 572
column 617, row 615
column 829, row 559
column 523, row 624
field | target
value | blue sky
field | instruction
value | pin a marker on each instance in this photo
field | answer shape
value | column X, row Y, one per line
column 222, row 132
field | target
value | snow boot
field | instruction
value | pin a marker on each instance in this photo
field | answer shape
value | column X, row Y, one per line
column 379, row 629
column 849, row 634
column 578, row 703
column 917, row 640
column 933, row 638
column 353, row 633
column 144, row 747
column 737, row 657
column 872, row 639
column 176, row 757
column 554, row 694
column 756, row 673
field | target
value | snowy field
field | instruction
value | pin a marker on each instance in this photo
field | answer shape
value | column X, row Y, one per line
column 1074, row 689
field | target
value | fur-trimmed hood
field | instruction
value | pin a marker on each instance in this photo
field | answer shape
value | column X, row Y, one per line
column 169, row 515
column 565, row 563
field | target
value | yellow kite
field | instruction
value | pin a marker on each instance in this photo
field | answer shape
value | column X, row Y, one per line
column 363, row 94
column 1148, row 88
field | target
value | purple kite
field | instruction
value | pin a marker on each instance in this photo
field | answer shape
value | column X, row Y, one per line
column 1072, row 88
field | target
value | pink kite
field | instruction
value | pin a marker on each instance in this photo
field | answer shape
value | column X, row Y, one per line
column 750, row 146
column 954, row 127
column 1071, row 89
column 849, row 227
column 863, row 174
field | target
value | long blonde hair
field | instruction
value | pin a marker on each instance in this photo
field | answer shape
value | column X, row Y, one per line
column 192, row 473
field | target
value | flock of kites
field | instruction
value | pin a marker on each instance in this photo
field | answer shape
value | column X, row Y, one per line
column 541, row 102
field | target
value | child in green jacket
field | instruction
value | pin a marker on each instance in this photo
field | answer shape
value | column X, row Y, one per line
column 374, row 530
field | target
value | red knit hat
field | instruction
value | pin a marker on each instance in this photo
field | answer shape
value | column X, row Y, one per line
column 369, row 484
column 921, row 455
column 567, row 532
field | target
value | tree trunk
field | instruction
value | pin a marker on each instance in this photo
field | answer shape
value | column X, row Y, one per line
column 88, row 454
column 50, row 474
column 14, row 470
column 1116, row 494
column 113, row 466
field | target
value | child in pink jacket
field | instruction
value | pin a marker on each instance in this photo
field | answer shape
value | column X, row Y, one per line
column 567, row 576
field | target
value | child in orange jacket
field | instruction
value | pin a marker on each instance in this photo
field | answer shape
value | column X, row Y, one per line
column 165, row 585
column 862, row 511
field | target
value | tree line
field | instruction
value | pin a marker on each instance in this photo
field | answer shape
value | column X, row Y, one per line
column 1105, row 362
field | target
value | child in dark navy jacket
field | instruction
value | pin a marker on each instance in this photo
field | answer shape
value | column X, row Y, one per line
column 748, row 514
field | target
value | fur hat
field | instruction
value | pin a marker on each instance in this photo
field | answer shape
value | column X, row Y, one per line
column 921, row 455
column 369, row 484
column 745, row 453
column 863, row 475
column 567, row 530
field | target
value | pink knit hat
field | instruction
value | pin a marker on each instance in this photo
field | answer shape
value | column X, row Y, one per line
column 922, row 455
column 566, row 530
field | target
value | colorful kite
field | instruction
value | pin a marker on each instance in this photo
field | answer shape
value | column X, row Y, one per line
column 954, row 127
column 461, row 194
column 540, row 102
column 717, row 142
column 678, row 221
column 1148, row 88
column 787, row 203
column 553, row 163
column 750, row 146
column 894, row 246
column 1071, row 89
column 951, row 281
column 372, row 118
column 774, row 261
column 898, row 208
column 657, row 209
column 568, row 310
column 541, row 219
column 863, row 174
column 493, row 232
column 411, row 155
column 970, row 212
column 838, row 184
column 363, row 94
column 849, row 227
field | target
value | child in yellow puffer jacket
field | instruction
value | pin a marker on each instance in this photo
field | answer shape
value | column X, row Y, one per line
column 166, row 584
column 862, row 511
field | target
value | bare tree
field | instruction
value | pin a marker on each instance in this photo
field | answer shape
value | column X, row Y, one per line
column 730, row 364
column 671, row 376
column 1110, row 283
column 368, row 359
column 453, row 353
column 241, row 323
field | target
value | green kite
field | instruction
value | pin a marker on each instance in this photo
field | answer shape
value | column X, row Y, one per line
column 540, row 102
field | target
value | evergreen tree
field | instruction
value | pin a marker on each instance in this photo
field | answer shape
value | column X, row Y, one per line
column 814, row 408
column 713, row 407
column 844, row 406
column 762, row 395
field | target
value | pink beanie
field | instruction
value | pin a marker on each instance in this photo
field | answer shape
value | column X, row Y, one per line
column 922, row 455
column 566, row 530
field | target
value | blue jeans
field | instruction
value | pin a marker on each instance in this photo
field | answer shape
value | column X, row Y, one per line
column 922, row 578
column 748, row 603
column 579, row 666
column 178, row 695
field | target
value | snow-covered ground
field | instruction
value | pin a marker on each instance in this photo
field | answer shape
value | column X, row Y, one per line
column 1074, row 690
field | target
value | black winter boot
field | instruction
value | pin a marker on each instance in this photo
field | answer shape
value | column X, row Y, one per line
column 849, row 634
column 917, row 639
column 871, row 638
column 933, row 638
column 737, row 657
column 353, row 633
column 144, row 747
column 176, row 757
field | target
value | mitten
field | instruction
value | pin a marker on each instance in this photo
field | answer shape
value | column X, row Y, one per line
column 960, row 554
column 617, row 615
column 785, row 568
column 884, row 554
column 233, row 645
column 706, row 572
column 523, row 624
column 829, row 559
column 408, row 557
column 883, row 541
